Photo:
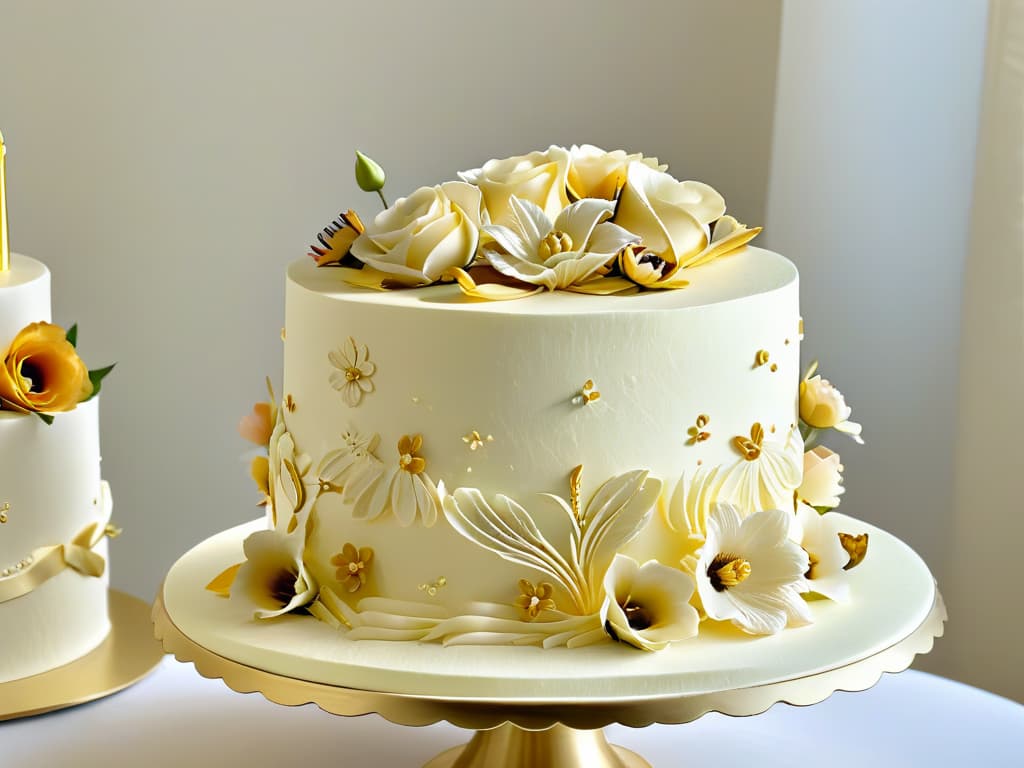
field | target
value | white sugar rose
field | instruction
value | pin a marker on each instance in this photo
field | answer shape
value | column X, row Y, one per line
column 823, row 478
column 539, row 177
column 671, row 217
column 822, row 406
column 415, row 240
column 596, row 173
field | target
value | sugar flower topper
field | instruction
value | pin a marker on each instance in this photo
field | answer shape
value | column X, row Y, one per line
column 579, row 219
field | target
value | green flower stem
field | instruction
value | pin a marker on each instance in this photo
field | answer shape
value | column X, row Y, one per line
column 381, row 195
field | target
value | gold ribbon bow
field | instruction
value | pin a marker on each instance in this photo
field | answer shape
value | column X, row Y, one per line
column 46, row 562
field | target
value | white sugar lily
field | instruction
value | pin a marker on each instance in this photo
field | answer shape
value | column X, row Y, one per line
column 647, row 606
column 819, row 536
column 273, row 580
column 751, row 573
column 556, row 254
column 822, row 484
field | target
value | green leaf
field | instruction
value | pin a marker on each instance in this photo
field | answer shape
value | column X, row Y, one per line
column 72, row 335
column 96, row 377
column 46, row 417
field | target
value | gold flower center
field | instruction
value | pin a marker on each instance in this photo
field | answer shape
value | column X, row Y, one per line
column 556, row 242
column 353, row 374
column 355, row 568
column 728, row 571
column 405, row 460
column 534, row 602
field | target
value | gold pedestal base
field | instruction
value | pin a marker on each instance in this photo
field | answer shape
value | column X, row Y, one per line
column 556, row 747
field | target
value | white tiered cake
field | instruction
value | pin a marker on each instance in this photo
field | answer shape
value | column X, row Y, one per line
column 55, row 508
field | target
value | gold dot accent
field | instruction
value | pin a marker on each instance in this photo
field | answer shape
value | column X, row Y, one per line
column 4, row 510
column 856, row 547
column 588, row 394
column 475, row 441
column 774, row 367
column 787, row 342
column 761, row 358
column 435, row 587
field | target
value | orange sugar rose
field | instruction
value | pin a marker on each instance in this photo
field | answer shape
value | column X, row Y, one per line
column 41, row 371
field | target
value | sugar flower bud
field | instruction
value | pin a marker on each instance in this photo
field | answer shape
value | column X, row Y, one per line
column 369, row 175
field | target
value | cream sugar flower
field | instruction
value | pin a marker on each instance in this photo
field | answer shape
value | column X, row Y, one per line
column 750, row 573
column 819, row 536
column 599, row 174
column 647, row 606
column 822, row 483
column 539, row 177
column 822, row 406
column 408, row 493
column 353, row 372
column 419, row 237
column 566, row 252
column 273, row 580
column 681, row 224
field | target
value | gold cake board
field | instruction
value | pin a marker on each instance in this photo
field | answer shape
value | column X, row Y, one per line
column 127, row 655
column 545, row 733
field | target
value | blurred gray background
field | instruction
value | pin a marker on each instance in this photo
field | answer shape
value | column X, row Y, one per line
column 166, row 160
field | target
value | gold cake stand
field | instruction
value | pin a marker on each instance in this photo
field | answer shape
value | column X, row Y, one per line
column 546, row 732
column 127, row 655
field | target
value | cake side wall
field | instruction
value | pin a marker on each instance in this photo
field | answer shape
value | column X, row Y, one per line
column 50, row 483
column 518, row 383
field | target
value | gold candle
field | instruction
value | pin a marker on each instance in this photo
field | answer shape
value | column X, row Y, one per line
column 5, row 248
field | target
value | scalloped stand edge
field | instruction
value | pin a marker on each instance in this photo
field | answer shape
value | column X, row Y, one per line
column 515, row 733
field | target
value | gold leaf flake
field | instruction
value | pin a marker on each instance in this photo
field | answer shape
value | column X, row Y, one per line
column 856, row 547
column 587, row 395
column 774, row 368
column 697, row 433
column 4, row 510
column 221, row 584
column 475, row 441
column 575, row 481
column 289, row 403
column 750, row 448
column 760, row 358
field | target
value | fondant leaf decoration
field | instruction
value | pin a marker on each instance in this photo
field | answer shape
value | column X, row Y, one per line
column 72, row 335
column 614, row 516
column 221, row 584
column 509, row 532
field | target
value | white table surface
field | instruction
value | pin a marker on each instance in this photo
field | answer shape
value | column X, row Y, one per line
column 177, row 718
